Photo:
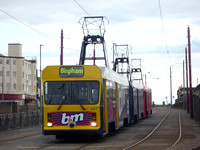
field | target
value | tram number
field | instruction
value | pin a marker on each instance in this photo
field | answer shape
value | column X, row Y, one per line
column 93, row 108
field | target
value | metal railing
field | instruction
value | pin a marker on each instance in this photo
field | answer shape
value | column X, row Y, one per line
column 20, row 120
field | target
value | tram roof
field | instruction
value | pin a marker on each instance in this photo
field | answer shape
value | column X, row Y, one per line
column 137, row 85
column 114, row 76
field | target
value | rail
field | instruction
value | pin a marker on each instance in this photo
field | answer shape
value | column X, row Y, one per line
column 132, row 145
column 145, row 138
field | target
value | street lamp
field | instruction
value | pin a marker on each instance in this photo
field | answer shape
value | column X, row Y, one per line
column 166, row 100
column 171, row 86
column 2, row 83
column 40, row 77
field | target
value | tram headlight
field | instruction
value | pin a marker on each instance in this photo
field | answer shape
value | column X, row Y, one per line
column 49, row 124
column 93, row 124
column 49, row 120
column 93, row 121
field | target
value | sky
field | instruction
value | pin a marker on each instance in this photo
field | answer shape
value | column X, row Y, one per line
column 156, row 31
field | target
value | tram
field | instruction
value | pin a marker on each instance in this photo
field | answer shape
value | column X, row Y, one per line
column 83, row 99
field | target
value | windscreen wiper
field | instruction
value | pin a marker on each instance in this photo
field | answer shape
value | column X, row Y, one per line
column 61, row 87
column 80, row 104
column 60, row 104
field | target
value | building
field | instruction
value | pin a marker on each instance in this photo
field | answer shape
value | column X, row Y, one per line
column 18, row 81
column 196, row 103
column 183, row 91
column 181, row 100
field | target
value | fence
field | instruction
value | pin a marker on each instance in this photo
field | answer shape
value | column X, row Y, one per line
column 20, row 120
column 196, row 105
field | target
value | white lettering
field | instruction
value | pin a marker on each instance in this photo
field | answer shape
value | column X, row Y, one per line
column 77, row 117
column 64, row 119
column 74, row 118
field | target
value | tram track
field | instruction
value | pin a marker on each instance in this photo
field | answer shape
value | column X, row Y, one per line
column 77, row 143
column 180, row 130
column 131, row 146
column 163, row 130
column 2, row 141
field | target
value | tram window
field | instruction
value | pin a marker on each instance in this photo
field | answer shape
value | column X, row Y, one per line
column 94, row 93
column 71, row 92
column 57, row 92
column 111, row 89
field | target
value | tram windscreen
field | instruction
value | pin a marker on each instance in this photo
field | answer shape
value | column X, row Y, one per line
column 71, row 92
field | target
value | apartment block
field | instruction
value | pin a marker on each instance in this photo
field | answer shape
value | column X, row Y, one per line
column 18, row 81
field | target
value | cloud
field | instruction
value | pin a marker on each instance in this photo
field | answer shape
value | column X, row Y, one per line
column 176, row 9
column 134, row 22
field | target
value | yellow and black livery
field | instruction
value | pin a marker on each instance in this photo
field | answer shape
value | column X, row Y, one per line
column 83, row 99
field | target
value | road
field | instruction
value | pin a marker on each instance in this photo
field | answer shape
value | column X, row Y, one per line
column 162, row 138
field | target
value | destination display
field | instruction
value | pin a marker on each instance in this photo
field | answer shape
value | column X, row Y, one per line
column 71, row 71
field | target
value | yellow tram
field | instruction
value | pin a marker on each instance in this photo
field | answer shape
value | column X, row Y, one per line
column 83, row 99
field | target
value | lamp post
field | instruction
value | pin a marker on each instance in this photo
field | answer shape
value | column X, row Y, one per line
column 171, row 86
column 2, row 83
column 40, row 77
column 166, row 101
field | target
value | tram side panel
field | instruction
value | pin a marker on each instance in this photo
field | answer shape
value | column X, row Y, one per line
column 141, row 102
column 116, row 102
column 111, row 104
column 150, row 102
column 136, row 104
column 132, row 117
column 145, row 102
column 123, row 105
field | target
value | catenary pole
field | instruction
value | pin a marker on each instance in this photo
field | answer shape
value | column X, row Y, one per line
column 190, row 73
column 184, row 95
column 171, row 86
column 41, row 76
column 187, row 94
column 61, row 48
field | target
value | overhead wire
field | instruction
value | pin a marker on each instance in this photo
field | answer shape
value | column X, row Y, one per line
column 27, row 25
column 33, row 29
column 95, row 21
column 82, row 8
column 163, row 29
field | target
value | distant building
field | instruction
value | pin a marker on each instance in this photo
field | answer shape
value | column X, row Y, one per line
column 18, row 81
column 181, row 100
column 182, row 91
column 196, row 103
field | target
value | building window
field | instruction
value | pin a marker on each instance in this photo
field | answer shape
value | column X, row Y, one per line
column 7, row 73
column 14, row 74
column 29, row 77
column 8, row 86
column 14, row 62
column 29, row 88
column 1, row 61
column 26, row 76
column 15, row 86
column 7, row 61
column 0, row 73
